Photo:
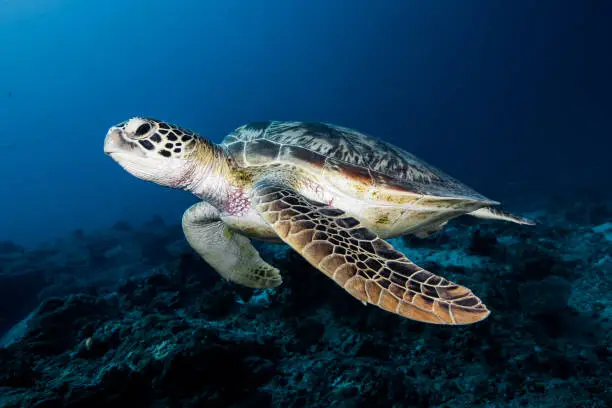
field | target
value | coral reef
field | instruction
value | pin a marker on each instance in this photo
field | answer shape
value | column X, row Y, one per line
column 131, row 315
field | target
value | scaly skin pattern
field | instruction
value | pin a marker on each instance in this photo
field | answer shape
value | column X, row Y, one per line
column 237, row 202
column 237, row 206
column 367, row 267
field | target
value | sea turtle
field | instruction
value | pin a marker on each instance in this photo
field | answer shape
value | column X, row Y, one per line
column 331, row 193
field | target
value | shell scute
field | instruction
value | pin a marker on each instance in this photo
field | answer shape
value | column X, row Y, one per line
column 367, row 161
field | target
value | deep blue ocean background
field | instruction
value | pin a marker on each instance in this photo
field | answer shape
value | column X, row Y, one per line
column 103, row 303
column 509, row 97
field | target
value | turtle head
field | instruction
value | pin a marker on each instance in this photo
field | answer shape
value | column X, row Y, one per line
column 156, row 151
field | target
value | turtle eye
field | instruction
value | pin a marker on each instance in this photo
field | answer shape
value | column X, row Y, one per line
column 142, row 129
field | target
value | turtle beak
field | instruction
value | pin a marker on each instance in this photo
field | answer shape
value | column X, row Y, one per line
column 115, row 142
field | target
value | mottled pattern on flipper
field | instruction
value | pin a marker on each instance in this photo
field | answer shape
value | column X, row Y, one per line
column 231, row 254
column 259, row 276
column 358, row 260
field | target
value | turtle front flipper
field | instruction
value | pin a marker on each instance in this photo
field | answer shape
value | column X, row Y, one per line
column 366, row 266
column 228, row 252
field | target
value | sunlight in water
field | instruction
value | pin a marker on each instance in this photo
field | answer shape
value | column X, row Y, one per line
column 16, row 9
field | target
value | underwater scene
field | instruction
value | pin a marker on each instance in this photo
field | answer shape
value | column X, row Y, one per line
column 305, row 203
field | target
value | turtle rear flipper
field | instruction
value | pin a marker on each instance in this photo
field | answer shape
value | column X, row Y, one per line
column 492, row 213
column 231, row 254
column 366, row 266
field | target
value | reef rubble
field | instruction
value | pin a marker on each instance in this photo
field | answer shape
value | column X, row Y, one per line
column 131, row 315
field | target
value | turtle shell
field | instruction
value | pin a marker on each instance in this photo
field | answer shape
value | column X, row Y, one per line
column 356, row 155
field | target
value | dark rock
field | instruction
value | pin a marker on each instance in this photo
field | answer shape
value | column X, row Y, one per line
column 19, row 294
column 78, row 234
column 17, row 369
column 135, row 324
column 156, row 222
column 484, row 245
column 589, row 213
column 8, row 247
column 545, row 296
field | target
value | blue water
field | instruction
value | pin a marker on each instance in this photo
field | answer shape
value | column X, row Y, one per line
column 102, row 303
column 506, row 96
